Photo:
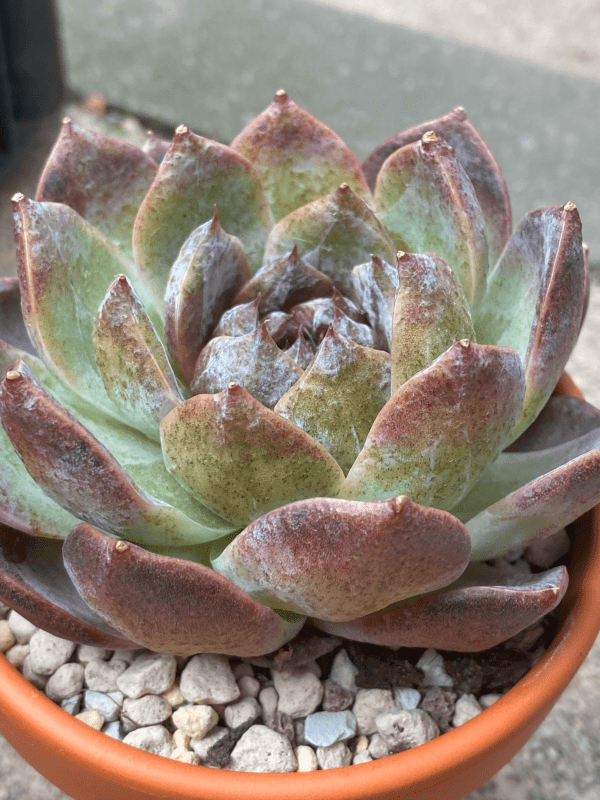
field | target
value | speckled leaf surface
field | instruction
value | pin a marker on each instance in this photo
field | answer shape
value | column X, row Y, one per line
column 65, row 268
column 339, row 396
column 242, row 459
column 339, row 559
column 103, row 179
column 416, row 447
column 253, row 361
column 210, row 269
column 430, row 314
column 299, row 159
column 34, row 581
column 195, row 175
column 333, row 234
column 425, row 199
column 375, row 286
column 534, row 301
column 566, row 429
column 538, row 509
column 476, row 159
column 132, row 361
column 170, row 605
column 66, row 461
column 465, row 618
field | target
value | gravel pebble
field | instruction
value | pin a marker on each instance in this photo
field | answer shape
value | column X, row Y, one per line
column 7, row 637
column 242, row 712
column 87, row 653
column 173, row 696
column 207, row 678
column 92, row 718
column 154, row 739
column 261, row 749
column 65, row 682
column 335, row 697
column 306, row 758
column 431, row 665
column 48, row 652
column 486, row 700
column 39, row 681
column 407, row 698
column 101, row 676
column 268, row 699
column 334, row 756
column 405, row 729
column 379, row 747
column 17, row 655
column 300, row 692
column 151, row 709
column 369, row 704
column 362, row 758
column 149, row 673
column 185, row 756
column 22, row 629
column 195, row 720
column 114, row 730
column 344, row 671
column 325, row 728
column 102, row 703
column 249, row 686
column 466, row 708
column 202, row 746
column 72, row 705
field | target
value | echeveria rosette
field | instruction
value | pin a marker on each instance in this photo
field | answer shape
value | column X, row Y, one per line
column 273, row 386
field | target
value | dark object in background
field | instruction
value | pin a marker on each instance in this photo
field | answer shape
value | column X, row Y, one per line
column 31, row 72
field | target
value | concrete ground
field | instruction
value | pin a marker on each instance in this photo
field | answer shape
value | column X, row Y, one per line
column 486, row 41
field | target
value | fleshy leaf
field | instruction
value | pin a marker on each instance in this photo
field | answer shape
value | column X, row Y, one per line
column 155, row 147
column 333, row 234
column 430, row 314
column 566, row 429
column 132, row 361
column 339, row 396
column 302, row 351
column 339, row 559
column 375, row 287
column 437, row 433
column 299, row 159
column 170, row 605
column 284, row 283
column 424, row 198
column 476, row 159
column 73, row 468
column 241, row 459
column 464, row 619
column 534, row 301
column 538, row 509
column 103, row 179
column 34, row 582
column 195, row 175
column 239, row 320
column 253, row 361
column 65, row 268
column 210, row 269
column 12, row 327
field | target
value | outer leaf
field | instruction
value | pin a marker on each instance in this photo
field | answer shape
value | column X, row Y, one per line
column 476, row 159
column 299, row 159
column 167, row 604
column 424, row 197
column 332, row 234
column 103, row 179
column 210, row 269
column 34, row 582
column 339, row 396
column 437, row 433
column 538, row 509
column 465, row 619
column 339, row 559
column 375, row 287
column 534, row 302
column 133, row 363
column 65, row 268
column 66, row 461
column 430, row 314
column 241, row 459
column 196, row 174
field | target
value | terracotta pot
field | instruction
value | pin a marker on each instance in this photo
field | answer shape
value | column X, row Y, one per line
column 91, row 766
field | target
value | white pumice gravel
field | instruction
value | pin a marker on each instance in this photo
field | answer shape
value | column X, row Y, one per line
column 7, row 637
column 261, row 749
column 208, row 678
column 300, row 692
column 149, row 673
column 466, row 708
column 240, row 714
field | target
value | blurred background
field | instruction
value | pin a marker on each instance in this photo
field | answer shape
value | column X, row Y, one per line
column 527, row 72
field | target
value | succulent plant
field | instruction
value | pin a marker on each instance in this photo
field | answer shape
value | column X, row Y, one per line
column 274, row 386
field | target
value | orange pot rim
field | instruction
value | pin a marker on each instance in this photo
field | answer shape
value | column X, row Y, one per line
column 150, row 776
